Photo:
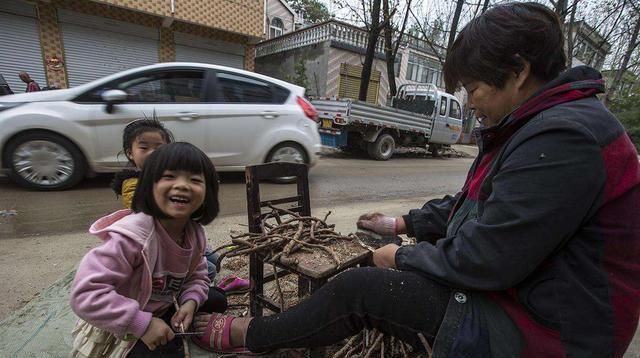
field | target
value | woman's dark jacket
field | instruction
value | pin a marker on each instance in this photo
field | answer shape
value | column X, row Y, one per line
column 542, row 245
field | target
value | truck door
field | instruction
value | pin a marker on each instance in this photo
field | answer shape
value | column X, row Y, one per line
column 448, row 121
column 438, row 133
column 454, row 120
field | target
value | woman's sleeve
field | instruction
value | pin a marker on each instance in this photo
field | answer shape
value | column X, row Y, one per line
column 93, row 295
column 429, row 223
column 541, row 194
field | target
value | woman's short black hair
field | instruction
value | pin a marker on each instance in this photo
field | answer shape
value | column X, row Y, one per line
column 492, row 46
column 177, row 156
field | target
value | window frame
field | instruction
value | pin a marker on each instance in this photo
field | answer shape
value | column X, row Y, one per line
column 451, row 105
column 275, row 28
column 423, row 69
column 217, row 90
column 443, row 100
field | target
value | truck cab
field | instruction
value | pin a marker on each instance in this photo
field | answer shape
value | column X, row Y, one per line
column 447, row 125
column 443, row 107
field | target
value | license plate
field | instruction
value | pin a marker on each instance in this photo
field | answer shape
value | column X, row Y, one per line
column 327, row 123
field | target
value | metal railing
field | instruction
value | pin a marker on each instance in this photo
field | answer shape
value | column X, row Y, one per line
column 330, row 30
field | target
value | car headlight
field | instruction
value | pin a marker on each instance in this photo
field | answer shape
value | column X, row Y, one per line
column 7, row 105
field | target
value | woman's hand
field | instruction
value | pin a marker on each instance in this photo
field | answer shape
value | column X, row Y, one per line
column 158, row 333
column 385, row 256
column 184, row 315
column 378, row 223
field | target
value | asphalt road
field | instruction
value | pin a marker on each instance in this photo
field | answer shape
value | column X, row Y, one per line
column 337, row 179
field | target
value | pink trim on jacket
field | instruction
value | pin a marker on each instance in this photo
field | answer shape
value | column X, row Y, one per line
column 113, row 282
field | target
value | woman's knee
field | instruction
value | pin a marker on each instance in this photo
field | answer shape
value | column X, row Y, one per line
column 357, row 281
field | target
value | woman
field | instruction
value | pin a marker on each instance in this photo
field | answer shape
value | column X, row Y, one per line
column 535, row 256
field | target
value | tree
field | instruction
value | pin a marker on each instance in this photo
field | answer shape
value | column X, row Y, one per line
column 374, row 32
column 560, row 8
column 314, row 11
column 391, row 47
column 633, row 44
column 570, row 33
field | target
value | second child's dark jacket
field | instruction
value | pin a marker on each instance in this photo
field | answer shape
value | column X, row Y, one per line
column 542, row 244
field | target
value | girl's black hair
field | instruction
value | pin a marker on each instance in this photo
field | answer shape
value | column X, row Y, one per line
column 134, row 129
column 177, row 156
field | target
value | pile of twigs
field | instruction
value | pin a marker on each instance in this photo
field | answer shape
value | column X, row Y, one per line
column 281, row 236
column 368, row 344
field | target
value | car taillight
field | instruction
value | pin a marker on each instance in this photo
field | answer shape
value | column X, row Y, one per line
column 308, row 109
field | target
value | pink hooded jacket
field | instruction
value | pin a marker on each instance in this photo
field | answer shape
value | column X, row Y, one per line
column 113, row 283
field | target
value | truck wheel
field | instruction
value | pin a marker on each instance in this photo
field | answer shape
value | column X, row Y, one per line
column 436, row 150
column 44, row 161
column 382, row 148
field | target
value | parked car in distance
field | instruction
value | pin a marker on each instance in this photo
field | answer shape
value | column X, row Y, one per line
column 52, row 140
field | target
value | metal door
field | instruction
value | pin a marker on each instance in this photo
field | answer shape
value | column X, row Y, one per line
column 96, row 47
column 20, row 45
column 190, row 48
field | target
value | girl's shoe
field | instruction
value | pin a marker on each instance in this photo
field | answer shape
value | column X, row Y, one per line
column 234, row 284
column 217, row 336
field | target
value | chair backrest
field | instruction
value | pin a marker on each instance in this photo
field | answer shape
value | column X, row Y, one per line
column 256, row 173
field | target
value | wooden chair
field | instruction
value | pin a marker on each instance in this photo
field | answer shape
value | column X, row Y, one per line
column 254, row 175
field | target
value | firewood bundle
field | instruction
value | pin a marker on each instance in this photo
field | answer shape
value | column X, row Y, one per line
column 368, row 344
column 281, row 236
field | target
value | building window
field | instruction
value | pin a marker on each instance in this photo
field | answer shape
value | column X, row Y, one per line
column 276, row 28
column 396, row 65
column 424, row 70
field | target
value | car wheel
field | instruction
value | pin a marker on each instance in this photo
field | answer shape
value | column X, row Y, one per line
column 44, row 161
column 287, row 152
column 382, row 148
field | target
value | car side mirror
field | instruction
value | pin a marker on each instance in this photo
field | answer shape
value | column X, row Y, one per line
column 112, row 97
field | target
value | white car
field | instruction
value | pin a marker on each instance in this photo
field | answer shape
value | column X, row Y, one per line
column 51, row 140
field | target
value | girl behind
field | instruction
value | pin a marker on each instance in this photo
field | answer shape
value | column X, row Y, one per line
column 123, row 290
column 139, row 139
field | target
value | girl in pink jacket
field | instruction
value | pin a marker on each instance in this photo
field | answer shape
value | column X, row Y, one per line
column 124, row 289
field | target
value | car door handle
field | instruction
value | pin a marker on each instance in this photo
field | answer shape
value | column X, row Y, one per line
column 187, row 116
column 269, row 114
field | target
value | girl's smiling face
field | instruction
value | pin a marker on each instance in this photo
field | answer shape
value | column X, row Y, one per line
column 179, row 193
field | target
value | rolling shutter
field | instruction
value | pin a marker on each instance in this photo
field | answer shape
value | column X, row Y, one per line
column 20, row 45
column 191, row 48
column 96, row 47
column 349, row 86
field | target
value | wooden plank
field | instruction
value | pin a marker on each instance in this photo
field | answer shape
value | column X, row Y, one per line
column 291, row 199
column 319, row 265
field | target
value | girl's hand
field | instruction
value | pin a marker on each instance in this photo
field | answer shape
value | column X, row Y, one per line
column 158, row 333
column 385, row 256
column 184, row 315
